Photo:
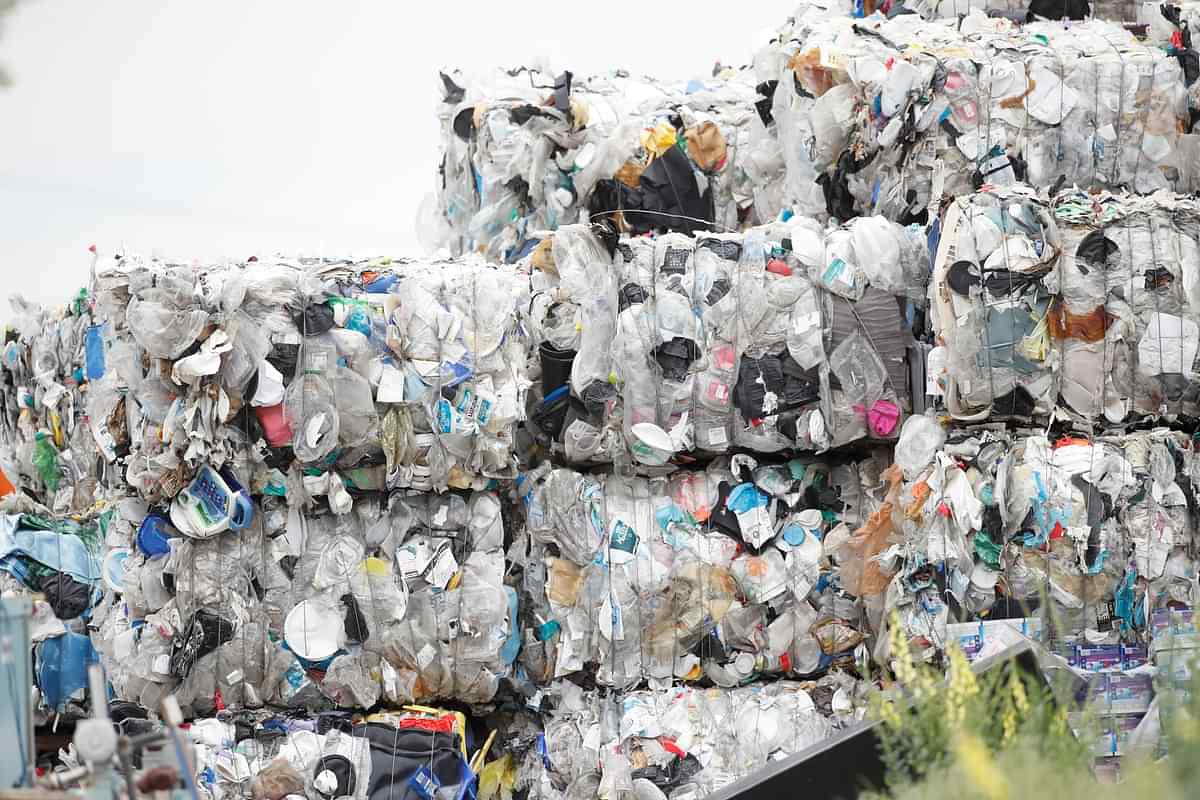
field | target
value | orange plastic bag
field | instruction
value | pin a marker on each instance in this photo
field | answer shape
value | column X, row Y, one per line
column 861, row 573
column 1089, row 327
column 706, row 145
column 816, row 78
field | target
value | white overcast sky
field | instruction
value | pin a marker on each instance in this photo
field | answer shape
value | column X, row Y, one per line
column 223, row 129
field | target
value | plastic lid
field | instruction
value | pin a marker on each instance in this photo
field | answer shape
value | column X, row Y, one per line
column 311, row 630
column 651, row 434
column 794, row 535
column 150, row 538
column 326, row 782
column 984, row 577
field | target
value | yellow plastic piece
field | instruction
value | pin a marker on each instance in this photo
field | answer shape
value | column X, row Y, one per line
column 659, row 139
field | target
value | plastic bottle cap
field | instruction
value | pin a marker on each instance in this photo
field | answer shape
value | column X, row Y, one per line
column 794, row 535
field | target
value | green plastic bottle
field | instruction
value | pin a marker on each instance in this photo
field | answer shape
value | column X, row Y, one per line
column 45, row 458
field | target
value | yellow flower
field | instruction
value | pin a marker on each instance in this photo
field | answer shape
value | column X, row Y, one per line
column 1060, row 722
column 889, row 714
column 1009, row 722
column 981, row 769
column 1017, row 686
column 902, row 662
column 961, row 687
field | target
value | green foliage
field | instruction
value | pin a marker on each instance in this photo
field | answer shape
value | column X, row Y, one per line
column 923, row 725
column 1001, row 736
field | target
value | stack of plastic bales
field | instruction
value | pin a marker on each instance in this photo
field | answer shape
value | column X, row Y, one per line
column 299, row 465
column 644, row 497
column 297, row 480
column 789, row 337
column 1064, row 485
column 1077, row 311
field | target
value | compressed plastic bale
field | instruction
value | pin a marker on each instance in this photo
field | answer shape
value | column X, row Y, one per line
column 719, row 340
column 671, row 592
column 205, row 596
column 1072, row 516
column 1093, row 326
column 728, row 733
column 928, row 128
column 627, row 148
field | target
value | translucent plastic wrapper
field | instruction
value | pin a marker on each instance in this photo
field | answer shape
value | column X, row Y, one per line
column 587, row 274
column 312, row 416
column 358, row 419
column 920, row 439
column 163, row 331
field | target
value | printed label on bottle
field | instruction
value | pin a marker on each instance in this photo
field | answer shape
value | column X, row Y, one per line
column 623, row 543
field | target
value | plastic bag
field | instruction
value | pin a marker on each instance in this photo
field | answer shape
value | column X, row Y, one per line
column 163, row 331
column 920, row 438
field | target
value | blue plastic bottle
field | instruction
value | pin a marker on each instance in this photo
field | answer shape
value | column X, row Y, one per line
column 94, row 344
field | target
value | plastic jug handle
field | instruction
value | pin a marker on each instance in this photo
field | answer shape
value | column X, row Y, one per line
column 242, row 512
